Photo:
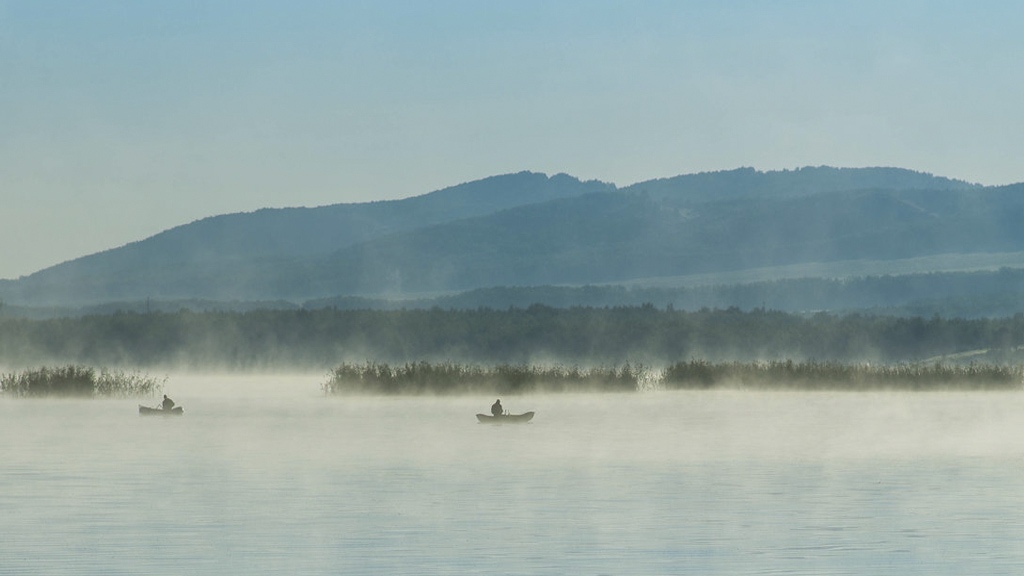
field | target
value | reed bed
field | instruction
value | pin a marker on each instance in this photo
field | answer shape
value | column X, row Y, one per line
column 451, row 378
column 838, row 376
column 78, row 381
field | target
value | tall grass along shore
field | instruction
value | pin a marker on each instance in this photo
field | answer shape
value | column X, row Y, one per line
column 451, row 378
column 79, row 381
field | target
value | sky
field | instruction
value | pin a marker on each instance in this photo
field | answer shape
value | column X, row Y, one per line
column 121, row 119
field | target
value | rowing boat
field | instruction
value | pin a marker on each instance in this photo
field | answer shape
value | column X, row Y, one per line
column 502, row 418
column 147, row 411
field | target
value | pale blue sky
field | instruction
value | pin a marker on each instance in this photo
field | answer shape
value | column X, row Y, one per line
column 119, row 119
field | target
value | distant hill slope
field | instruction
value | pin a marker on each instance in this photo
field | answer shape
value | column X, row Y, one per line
column 749, row 183
column 528, row 229
column 302, row 232
column 614, row 237
column 237, row 255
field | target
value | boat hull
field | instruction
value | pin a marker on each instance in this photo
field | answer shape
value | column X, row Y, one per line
column 505, row 418
column 147, row 411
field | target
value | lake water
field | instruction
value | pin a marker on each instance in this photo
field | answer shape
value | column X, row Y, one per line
column 265, row 475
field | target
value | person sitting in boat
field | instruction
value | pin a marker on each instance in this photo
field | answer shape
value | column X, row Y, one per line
column 167, row 404
column 496, row 409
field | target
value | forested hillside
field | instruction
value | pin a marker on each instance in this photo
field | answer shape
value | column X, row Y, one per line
column 749, row 183
column 620, row 236
column 252, row 255
column 529, row 230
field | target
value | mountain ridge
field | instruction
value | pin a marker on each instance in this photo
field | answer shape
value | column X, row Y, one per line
column 532, row 229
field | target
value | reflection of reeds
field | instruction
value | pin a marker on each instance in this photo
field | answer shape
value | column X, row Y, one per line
column 450, row 378
column 838, row 376
column 80, row 381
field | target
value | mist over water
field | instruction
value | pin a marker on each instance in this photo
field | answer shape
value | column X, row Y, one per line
column 267, row 475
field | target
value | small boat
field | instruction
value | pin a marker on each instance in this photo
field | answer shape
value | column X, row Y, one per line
column 510, row 418
column 147, row 411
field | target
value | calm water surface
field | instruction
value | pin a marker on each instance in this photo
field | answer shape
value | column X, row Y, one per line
column 264, row 475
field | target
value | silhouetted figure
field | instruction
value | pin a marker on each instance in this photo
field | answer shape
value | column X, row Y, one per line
column 496, row 409
column 167, row 404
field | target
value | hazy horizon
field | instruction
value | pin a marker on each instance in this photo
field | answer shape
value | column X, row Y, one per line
column 122, row 119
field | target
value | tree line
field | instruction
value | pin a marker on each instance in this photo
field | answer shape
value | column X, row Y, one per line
column 321, row 339
column 978, row 294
